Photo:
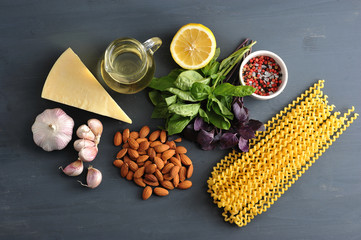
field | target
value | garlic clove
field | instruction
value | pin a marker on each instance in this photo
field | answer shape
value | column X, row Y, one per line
column 93, row 178
column 52, row 129
column 96, row 126
column 74, row 168
column 84, row 132
column 88, row 154
column 81, row 143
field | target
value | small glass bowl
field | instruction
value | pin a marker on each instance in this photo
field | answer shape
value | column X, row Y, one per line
column 280, row 63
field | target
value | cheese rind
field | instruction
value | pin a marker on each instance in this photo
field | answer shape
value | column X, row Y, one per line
column 70, row 82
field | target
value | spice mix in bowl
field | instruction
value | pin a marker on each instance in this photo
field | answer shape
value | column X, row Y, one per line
column 266, row 72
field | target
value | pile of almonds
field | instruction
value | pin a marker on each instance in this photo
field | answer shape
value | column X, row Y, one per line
column 153, row 161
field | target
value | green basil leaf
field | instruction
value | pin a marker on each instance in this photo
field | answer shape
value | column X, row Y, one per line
column 165, row 82
column 214, row 69
column 186, row 79
column 155, row 97
column 221, row 109
column 203, row 115
column 160, row 110
column 177, row 123
column 227, row 89
column 170, row 100
column 184, row 95
column 218, row 121
column 185, row 110
column 200, row 91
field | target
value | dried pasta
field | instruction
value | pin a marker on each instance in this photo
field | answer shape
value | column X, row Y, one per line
column 247, row 184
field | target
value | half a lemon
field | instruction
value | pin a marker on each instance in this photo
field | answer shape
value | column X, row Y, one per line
column 193, row 46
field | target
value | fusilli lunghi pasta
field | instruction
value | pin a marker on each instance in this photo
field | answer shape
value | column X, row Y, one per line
column 247, row 184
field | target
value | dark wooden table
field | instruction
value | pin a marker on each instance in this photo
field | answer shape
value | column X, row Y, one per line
column 316, row 39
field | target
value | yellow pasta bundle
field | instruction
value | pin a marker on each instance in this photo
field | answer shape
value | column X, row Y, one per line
column 247, row 184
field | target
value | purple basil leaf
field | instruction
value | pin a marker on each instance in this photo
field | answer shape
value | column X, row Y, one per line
column 243, row 144
column 228, row 140
column 189, row 133
column 218, row 136
column 198, row 124
column 205, row 138
column 240, row 111
column 246, row 132
column 209, row 147
column 256, row 125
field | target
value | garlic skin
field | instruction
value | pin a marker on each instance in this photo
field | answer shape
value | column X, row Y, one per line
column 84, row 132
column 82, row 143
column 93, row 178
column 97, row 128
column 88, row 154
column 52, row 129
column 74, row 168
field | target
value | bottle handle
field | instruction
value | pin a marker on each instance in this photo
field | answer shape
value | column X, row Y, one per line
column 152, row 45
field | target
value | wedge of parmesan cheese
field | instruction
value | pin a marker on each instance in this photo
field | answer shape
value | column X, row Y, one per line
column 70, row 82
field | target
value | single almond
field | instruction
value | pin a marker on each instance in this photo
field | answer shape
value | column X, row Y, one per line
column 174, row 171
column 129, row 176
column 118, row 163
column 142, row 152
column 182, row 174
column 118, row 139
column 126, row 145
column 185, row 159
column 124, row 170
column 139, row 140
column 175, row 161
column 167, row 184
column 171, row 144
column 180, row 149
column 167, row 177
column 139, row 173
column 144, row 131
column 168, row 154
column 134, row 135
column 155, row 143
column 133, row 153
column 178, row 140
column 161, row 191
column 190, row 171
column 126, row 133
column 167, row 168
column 147, row 192
column 122, row 153
column 126, row 159
column 163, row 136
column 159, row 162
column 133, row 144
column 150, row 177
column 139, row 181
column 142, row 159
column 154, row 135
column 176, row 180
column 150, row 168
column 158, row 175
column 151, row 153
column 143, row 146
column 185, row 184
column 133, row 166
column 146, row 163
column 161, row 148
column 150, row 183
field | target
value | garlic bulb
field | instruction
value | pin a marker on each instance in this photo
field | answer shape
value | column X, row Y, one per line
column 52, row 129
